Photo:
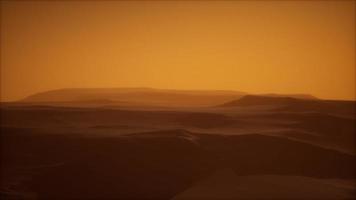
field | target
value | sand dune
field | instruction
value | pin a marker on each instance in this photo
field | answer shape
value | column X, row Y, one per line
column 317, row 128
column 59, row 117
column 279, row 149
column 225, row 184
column 324, row 129
column 157, row 165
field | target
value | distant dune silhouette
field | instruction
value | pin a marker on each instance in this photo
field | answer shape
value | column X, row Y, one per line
column 255, row 100
column 296, row 96
column 141, row 97
column 136, row 96
column 292, row 104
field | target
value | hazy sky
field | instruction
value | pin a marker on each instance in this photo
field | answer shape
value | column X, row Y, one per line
column 251, row 46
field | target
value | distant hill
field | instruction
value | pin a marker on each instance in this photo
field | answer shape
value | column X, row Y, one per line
column 134, row 96
column 291, row 104
column 296, row 96
column 154, row 97
column 254, row 100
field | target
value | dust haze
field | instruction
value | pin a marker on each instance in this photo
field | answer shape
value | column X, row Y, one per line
column 177, row 100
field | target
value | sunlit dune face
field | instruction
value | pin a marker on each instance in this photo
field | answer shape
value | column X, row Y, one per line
column 251, row 46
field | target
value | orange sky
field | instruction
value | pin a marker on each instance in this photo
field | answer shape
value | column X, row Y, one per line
column 251, row 46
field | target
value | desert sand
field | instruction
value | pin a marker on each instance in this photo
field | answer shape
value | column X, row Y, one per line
column 251, row 147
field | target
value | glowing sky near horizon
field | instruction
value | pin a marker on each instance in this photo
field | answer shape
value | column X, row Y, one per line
column 250, row 46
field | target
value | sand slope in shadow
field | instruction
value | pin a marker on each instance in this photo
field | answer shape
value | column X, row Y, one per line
column 156, row 165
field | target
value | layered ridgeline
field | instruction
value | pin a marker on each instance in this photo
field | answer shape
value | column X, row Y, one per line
column 135, row 97
column 255, row 100
column 143, row 97
column 293, row 104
